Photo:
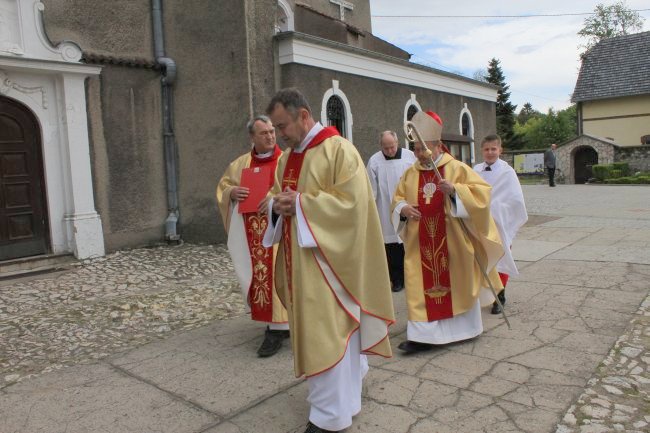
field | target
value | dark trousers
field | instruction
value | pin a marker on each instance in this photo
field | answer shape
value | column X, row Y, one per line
column 551, row 176
column 395, row 256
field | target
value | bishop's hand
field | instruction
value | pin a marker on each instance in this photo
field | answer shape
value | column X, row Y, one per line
column 447, row 187
column 285, row 202
column 411, row 212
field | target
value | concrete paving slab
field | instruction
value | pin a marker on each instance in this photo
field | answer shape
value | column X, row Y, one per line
column 623, row 253
column 389, row 387
column 531, row 250
column 96, row 398
column 382, row 418
column 560, row 234
column 580, row 274
column 216, row 368
column 284, row 412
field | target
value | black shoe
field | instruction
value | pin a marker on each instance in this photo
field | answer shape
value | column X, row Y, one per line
column 313, row 428
column 496, row 309
column 397, row 287
column 410, row 347
column 272, row 342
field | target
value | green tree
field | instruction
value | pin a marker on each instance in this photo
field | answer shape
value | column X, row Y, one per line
column 609, row 21
column 527, row 112
column 553, row 127
column 505, row 109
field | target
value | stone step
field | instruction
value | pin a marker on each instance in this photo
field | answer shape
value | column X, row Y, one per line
column 36, row 264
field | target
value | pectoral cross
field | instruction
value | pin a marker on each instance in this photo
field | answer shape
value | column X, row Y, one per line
column 343, row 5
column 291, row 181
column 427, row 192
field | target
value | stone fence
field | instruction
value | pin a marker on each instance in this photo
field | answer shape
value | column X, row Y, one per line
column 638, row 157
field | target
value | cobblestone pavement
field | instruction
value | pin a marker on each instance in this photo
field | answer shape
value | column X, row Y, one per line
column 111, row 304
column 618, row 396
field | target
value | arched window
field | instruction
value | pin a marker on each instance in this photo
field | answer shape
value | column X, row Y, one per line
column 283, row 17
column 466, row 128
column 411, row 112
column 409, row 115
column 412, row 106
column 336, row 114
column 335, row 111
column 464, row 125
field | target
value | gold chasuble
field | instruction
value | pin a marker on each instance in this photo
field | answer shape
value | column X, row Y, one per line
column 442, row 278
column 342, row 284
column 252, row 262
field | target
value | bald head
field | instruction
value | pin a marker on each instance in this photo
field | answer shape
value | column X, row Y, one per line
column 388, row 143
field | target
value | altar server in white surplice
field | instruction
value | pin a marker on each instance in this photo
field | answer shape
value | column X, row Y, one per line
column 384, row 170
column 506, row 205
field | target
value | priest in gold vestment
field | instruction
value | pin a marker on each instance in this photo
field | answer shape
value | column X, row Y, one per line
column 443, row 278
column 331, row 271
column 252, row 262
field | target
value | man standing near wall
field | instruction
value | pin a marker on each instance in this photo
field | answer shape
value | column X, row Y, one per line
column 384, row 171
column 550, row 164
column 252, row 262
column 331, row 272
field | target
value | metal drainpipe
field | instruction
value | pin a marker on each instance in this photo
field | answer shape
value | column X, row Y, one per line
column 168, row 67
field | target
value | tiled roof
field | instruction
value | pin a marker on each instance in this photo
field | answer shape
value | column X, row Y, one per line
column 615, row 67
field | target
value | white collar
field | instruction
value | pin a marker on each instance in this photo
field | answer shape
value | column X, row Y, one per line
column 310, row 135
column 264, row 155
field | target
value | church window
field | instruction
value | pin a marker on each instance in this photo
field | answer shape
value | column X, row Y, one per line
column 409, row 115
column 336, row 114
column 411, row 112
column 283, row 17
column 465, row 125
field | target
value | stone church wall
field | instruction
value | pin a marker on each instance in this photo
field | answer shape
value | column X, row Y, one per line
column 224, row 53
column 378, row 105
column 124, row 115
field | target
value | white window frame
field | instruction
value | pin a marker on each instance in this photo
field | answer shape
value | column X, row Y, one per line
column 412, row 101
column 465, row 110
column 336, row 91
column 288, row 12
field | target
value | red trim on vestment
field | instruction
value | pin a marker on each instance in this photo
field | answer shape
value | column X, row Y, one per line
column 347, row 343
column 369, row 349
column 356, row 301
column 338, row 301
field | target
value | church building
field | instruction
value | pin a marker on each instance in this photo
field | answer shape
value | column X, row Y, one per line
column 118, row 118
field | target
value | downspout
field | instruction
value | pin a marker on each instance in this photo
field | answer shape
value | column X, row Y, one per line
column 168, row 67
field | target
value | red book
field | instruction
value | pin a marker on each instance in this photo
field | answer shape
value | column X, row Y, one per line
column 256, row 179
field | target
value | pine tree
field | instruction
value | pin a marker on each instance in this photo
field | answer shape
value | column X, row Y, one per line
column 505, row 109
column 527, row 112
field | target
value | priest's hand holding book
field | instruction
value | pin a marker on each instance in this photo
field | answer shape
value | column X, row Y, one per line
column 239, row 193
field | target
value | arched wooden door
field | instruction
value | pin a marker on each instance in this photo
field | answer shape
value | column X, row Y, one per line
column 585, row 158
column 23, row 213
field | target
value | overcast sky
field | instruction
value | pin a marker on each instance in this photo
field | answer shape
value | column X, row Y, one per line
column 539, row 56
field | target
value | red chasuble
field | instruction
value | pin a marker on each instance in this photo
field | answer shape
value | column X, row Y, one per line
column 290, row 180
column 433, row 247
column 260, row 293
